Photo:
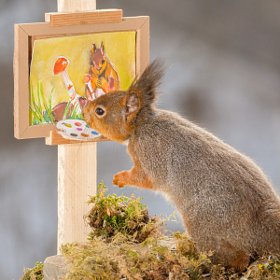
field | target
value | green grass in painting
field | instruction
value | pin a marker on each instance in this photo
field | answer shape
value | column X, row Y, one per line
column 41, row 109
column 75, row 113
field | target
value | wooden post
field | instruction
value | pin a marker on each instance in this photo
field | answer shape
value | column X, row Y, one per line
column 76, row 169
column 76, row 5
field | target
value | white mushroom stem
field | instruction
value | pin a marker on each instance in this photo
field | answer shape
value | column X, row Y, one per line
column 74, row 97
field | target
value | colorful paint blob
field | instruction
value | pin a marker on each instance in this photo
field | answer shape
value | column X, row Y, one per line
column 67, row 125
column 84, row 135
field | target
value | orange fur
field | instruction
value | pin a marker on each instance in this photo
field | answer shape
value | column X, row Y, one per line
column 232, row 257
column 133, row 177
column 104, row 124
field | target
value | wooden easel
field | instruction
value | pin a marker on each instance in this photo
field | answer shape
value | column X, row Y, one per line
column 77, row 162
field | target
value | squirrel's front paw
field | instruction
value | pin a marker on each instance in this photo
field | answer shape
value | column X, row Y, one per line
column 119, row 179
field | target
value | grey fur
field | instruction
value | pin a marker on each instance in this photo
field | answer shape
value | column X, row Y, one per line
column 226, row 202
column 220, row 193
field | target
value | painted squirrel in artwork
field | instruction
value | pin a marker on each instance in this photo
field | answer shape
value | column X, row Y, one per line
column 226, row 202
column 104, row 77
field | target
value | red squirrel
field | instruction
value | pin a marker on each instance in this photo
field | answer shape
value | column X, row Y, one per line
column 103, row 75
column 226, row 202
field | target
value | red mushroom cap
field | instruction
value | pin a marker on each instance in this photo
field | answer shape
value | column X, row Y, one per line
column 60, row 65
column 86, row 79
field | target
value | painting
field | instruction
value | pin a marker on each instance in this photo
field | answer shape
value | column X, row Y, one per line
column 59, row 69
column 68, row 72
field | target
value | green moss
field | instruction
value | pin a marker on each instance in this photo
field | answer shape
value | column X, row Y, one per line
column 264, row 268
column 112, row 214
column 35, row 273
column 126, row 243
column 117, row 259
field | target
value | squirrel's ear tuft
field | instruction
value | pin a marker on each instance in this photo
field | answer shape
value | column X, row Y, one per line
column 102, row 47
column 93, row 48
column 148, row 82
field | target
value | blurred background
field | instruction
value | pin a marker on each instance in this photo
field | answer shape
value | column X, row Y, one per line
column 224, row 74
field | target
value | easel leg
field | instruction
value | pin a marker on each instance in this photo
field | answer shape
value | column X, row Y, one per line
column 76, row 181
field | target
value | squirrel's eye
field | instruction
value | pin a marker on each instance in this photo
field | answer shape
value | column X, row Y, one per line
column 93, row 64
column 103, row 61
column 99, row 111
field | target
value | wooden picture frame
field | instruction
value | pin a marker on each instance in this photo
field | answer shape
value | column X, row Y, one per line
column 26, row 34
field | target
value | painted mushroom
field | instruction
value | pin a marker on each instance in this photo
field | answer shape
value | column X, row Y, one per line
column 60, row 68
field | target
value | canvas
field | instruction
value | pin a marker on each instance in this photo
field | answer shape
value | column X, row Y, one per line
column 68, row 72
column 57, row 70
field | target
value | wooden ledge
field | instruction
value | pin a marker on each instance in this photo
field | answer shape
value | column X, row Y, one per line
column 80, row 18
column 56, row 139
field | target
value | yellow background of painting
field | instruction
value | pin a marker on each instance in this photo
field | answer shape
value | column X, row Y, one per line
column 119, row 48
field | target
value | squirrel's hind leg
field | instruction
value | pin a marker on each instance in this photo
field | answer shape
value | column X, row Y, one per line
column 134, row 177
column 227, row 254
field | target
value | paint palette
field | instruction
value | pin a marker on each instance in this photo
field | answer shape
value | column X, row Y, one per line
column 76, row 129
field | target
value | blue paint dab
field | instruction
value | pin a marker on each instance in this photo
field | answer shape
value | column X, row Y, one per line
column 94, row 133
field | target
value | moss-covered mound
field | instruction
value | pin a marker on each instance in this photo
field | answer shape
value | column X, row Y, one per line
column 123, row 259
column 112, row 214
column 127, row 243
